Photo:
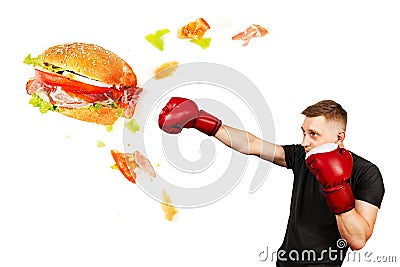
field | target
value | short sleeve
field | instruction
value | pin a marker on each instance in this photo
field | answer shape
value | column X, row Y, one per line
column 368, row 185
column 293, row 153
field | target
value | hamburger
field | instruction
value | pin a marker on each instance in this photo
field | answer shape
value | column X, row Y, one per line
column 83, row 81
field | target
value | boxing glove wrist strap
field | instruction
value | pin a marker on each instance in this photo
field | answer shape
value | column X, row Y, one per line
column 207, row 123
column 341, row 200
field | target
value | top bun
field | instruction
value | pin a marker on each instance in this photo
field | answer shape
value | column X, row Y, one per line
column 91, row 61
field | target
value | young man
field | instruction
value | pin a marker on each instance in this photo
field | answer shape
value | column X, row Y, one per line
column 336, row 194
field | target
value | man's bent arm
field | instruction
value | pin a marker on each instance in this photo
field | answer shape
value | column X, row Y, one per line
column 247, row 143
column 356, row 226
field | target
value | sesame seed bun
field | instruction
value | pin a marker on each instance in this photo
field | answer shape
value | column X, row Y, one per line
column 104, row 115
column 92, row 61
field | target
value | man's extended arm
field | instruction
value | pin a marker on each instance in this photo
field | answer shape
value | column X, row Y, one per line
column 182, row 113
column 247, row 143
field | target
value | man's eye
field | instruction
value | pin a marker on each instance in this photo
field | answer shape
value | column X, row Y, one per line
column 313, row 134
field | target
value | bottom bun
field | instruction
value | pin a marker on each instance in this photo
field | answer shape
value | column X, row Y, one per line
column 104, row 115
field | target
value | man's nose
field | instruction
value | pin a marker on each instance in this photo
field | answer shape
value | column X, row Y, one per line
column 306, row 141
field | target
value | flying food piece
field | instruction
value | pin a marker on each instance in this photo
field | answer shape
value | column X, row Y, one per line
column 194, row 30
column 128, row 162
column 203, row 43
column 156, row 39
column 165, row 70
column 168, row 209
column 144, row 164
column 132, row 126
column 251, row 32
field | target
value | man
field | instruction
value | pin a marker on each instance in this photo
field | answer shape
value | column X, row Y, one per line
column 336, row 194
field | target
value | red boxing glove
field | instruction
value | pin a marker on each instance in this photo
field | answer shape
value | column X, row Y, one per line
column 181, row 113
column 332, row 166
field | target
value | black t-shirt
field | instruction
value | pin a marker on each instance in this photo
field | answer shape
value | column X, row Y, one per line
column 312, row 236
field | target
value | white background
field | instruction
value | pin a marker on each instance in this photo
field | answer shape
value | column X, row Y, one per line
column 61, row 204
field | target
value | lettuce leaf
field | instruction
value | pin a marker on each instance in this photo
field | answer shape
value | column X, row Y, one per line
column 109, row 128
column 100, row 143
column 43, row 106
column 37, row 61
column 114, row 167
column 132, row 126
column 156, row 39
column 203, row 43
column 98, row 106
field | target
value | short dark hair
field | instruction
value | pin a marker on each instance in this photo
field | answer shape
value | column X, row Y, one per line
column 331, row 110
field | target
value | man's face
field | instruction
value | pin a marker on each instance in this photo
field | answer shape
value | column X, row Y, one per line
column 318, row 131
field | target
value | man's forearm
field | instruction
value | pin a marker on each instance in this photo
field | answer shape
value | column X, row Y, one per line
column 238, row 140
column 354, row 229
column 247, row 143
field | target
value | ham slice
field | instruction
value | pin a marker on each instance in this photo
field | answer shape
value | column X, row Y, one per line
column 144, row 164
column 251, row 32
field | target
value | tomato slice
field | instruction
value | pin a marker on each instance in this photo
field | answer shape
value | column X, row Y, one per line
column 126, row 164
column 52, row 81
column 194, row 30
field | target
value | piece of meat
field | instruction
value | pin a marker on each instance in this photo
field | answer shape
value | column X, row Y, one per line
column 254, row 30
column 144, row 163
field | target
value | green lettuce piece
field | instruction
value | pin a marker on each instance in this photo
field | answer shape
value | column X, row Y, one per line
column 114, row 167
column 116, row 106
column 43, row 106
column 109, row 128
column 156, row 39
column 203, row 43
column 132, row 126
column 98, row 106
column 100, row 144
column 37, row 61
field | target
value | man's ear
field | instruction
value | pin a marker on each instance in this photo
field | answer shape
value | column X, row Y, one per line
column 340, row 136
